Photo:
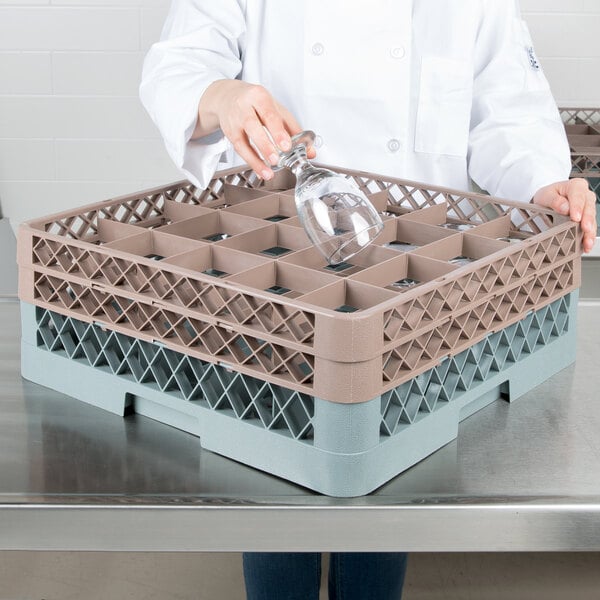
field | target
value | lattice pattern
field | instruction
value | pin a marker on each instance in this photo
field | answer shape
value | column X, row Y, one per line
column 176, row 330
column 228, row 275
column 453, row 297
column 421, row 395
column 468, row 327
column 202, row 295
column 585, row 164
column 205, row 297
column 189, row 194
column 421, row 337
column 465, row 208
column 595, row 186
column 261, row 403
column 84, row 226
column 583, row 133
column 147, row 209
column 575, row 116
column 283, row 410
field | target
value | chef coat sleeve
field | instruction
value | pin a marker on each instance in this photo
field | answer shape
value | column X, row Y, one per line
column 517, row 142
column 201, row 42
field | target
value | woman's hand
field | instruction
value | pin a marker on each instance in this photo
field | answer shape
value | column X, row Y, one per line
column 243, row 111
column 573, row 198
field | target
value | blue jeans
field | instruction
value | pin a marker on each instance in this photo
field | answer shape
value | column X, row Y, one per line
column 297, row 575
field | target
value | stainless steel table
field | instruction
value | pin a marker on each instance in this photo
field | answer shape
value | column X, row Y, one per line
column 519, row 477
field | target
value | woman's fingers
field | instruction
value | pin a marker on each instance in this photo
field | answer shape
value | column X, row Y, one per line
column 572, row 198
column 582, row 208
column 293, row 127
column 261, row 140
column 577, row 195
column 272, row 118
column 241, row 144
column 588, row 221
column 258, row 125
column 253, row 121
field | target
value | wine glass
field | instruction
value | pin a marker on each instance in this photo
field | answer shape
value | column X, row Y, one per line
column 336, row 215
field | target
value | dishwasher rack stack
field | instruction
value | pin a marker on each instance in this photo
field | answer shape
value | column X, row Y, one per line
column 210, row 310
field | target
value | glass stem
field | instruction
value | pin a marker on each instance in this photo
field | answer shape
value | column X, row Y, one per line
column 297, row 162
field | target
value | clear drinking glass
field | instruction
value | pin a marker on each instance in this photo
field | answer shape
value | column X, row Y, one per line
column 336, row 215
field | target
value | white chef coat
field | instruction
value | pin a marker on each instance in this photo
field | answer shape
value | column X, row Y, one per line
column 429, row 90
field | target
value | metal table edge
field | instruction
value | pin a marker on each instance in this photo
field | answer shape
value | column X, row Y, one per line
column 496, row 525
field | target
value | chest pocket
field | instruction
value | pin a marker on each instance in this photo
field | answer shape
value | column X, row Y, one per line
column 444, row 106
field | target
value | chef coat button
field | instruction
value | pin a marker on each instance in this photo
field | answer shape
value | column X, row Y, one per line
column 393, row 145
column 397, row 52
column 318, row 49
column 318, row 141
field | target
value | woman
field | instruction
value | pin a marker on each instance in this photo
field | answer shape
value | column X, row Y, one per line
column 428, row 90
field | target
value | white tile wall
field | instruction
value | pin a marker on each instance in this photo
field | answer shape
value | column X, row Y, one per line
column 27, row 159
column 24, row 2
column 74, row 117
column 565, row 33
column 66, row 28
column 72, row 129
column 25, row 73
column 30, row 198
column 152, row 20
column 96, row 73
column 112, row 160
